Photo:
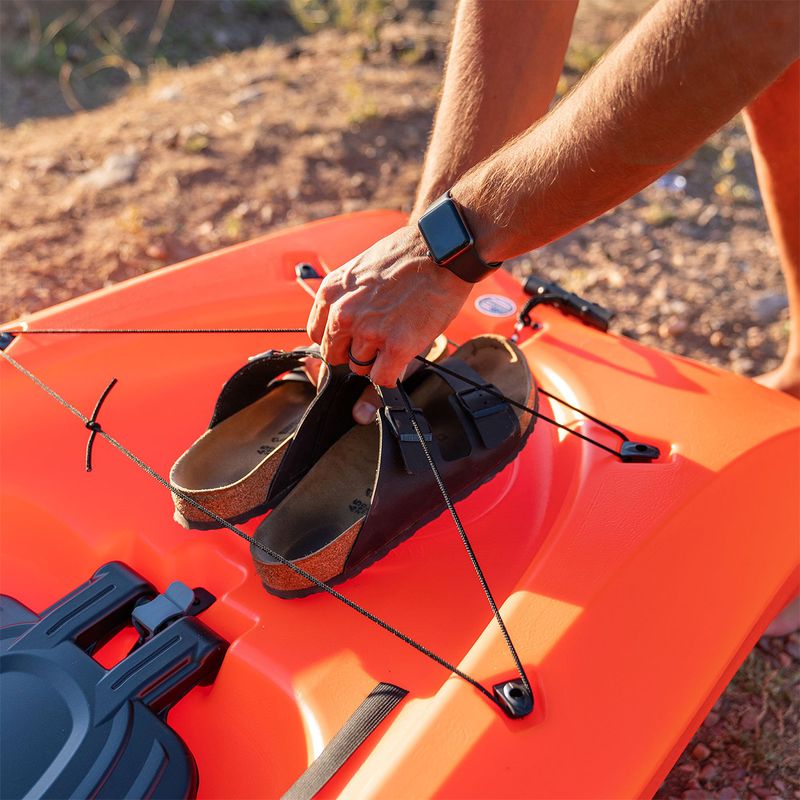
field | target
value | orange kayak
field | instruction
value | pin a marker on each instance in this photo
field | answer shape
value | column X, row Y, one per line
column 632, row 591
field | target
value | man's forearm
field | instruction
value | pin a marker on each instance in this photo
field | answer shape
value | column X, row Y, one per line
column 504, row 63
column 682, row 72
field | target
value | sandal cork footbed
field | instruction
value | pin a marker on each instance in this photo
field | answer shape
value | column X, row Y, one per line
column 317, row 523
column 229, row 468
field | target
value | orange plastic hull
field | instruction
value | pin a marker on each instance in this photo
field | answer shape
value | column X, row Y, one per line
column 632, row 591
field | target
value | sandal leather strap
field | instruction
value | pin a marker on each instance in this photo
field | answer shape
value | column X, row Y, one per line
column 479, row 409
column 253, row 381
column 397, row 420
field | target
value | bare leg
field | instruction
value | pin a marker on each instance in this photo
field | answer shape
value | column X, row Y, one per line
column 773, row 124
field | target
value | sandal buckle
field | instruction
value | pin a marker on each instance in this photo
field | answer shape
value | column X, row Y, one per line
column 481, row 402
column 492, row 416
column 399, row 421
column 411, row 451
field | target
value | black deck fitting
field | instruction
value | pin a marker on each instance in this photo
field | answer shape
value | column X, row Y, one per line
column 306, row 272
column 638, row 453
column 514, row 698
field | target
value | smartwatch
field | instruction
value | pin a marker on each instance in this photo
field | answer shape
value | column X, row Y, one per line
column 450, row 242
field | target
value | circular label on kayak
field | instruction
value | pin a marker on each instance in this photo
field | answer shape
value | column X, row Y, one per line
column 496, row 305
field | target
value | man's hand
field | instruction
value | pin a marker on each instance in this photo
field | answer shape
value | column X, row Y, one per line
column 389, row 303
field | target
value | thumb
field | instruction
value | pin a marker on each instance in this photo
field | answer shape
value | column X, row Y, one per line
column 366, row 406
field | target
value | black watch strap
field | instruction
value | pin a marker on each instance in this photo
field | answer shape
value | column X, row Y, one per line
column 470, row 266
column 467, row 264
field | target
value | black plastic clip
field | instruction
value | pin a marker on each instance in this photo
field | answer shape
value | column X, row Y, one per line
column 514, row 698
column 177, row 601
column 542, row 292
column 6, row 337
column 638, row 453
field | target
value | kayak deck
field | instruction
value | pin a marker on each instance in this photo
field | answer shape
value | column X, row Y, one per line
column 632, row 591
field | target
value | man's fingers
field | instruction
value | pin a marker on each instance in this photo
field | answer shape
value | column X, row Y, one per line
column 317, row 319
column 361, row 350
column 366, row 406
column 327, row 293
column 313, row 368
column 388, row 367
column 335, row 342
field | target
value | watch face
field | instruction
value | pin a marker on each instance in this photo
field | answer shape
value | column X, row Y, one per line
column 444, row 231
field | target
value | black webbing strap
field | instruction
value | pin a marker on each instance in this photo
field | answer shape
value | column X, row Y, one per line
column 378, row 703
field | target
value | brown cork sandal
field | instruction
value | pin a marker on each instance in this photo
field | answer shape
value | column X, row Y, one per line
column 374, row 487
column 249, row 457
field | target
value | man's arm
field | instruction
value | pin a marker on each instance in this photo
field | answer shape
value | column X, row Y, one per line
column 502, row 71
column 680, row 73
column 685, row 70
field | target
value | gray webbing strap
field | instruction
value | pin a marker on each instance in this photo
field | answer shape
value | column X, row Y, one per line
column 378, row 703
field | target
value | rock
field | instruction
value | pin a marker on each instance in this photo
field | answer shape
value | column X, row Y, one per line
column 169, row 93
column 793, row 649
column 707, row 214
column 673, row 328
column 246, row 95
column 194, row 138
column 717, row 339
column 708, row 773
column 636, row 228
column 768, row 305
column 293, row 51
column 167, row 137
column 711, row 720
column 678, row 327
column 742, row 365
column 749, row 720
column 785, row 660
column 755, row 336
column 157, row 250
column 728, row 793
column 696, row 794
column 700, row 752
column 118, row 168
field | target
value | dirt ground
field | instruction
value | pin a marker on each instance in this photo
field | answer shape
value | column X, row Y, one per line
column 278, row 123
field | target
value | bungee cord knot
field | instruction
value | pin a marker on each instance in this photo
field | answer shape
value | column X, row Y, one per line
column 93, row 426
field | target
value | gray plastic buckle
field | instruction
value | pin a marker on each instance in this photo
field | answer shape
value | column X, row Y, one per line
column 153, row 616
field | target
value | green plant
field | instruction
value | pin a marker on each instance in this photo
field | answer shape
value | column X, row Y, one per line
column 348, row 15
column 77, row 44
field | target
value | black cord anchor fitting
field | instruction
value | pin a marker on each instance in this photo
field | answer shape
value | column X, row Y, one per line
column 568, row 303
